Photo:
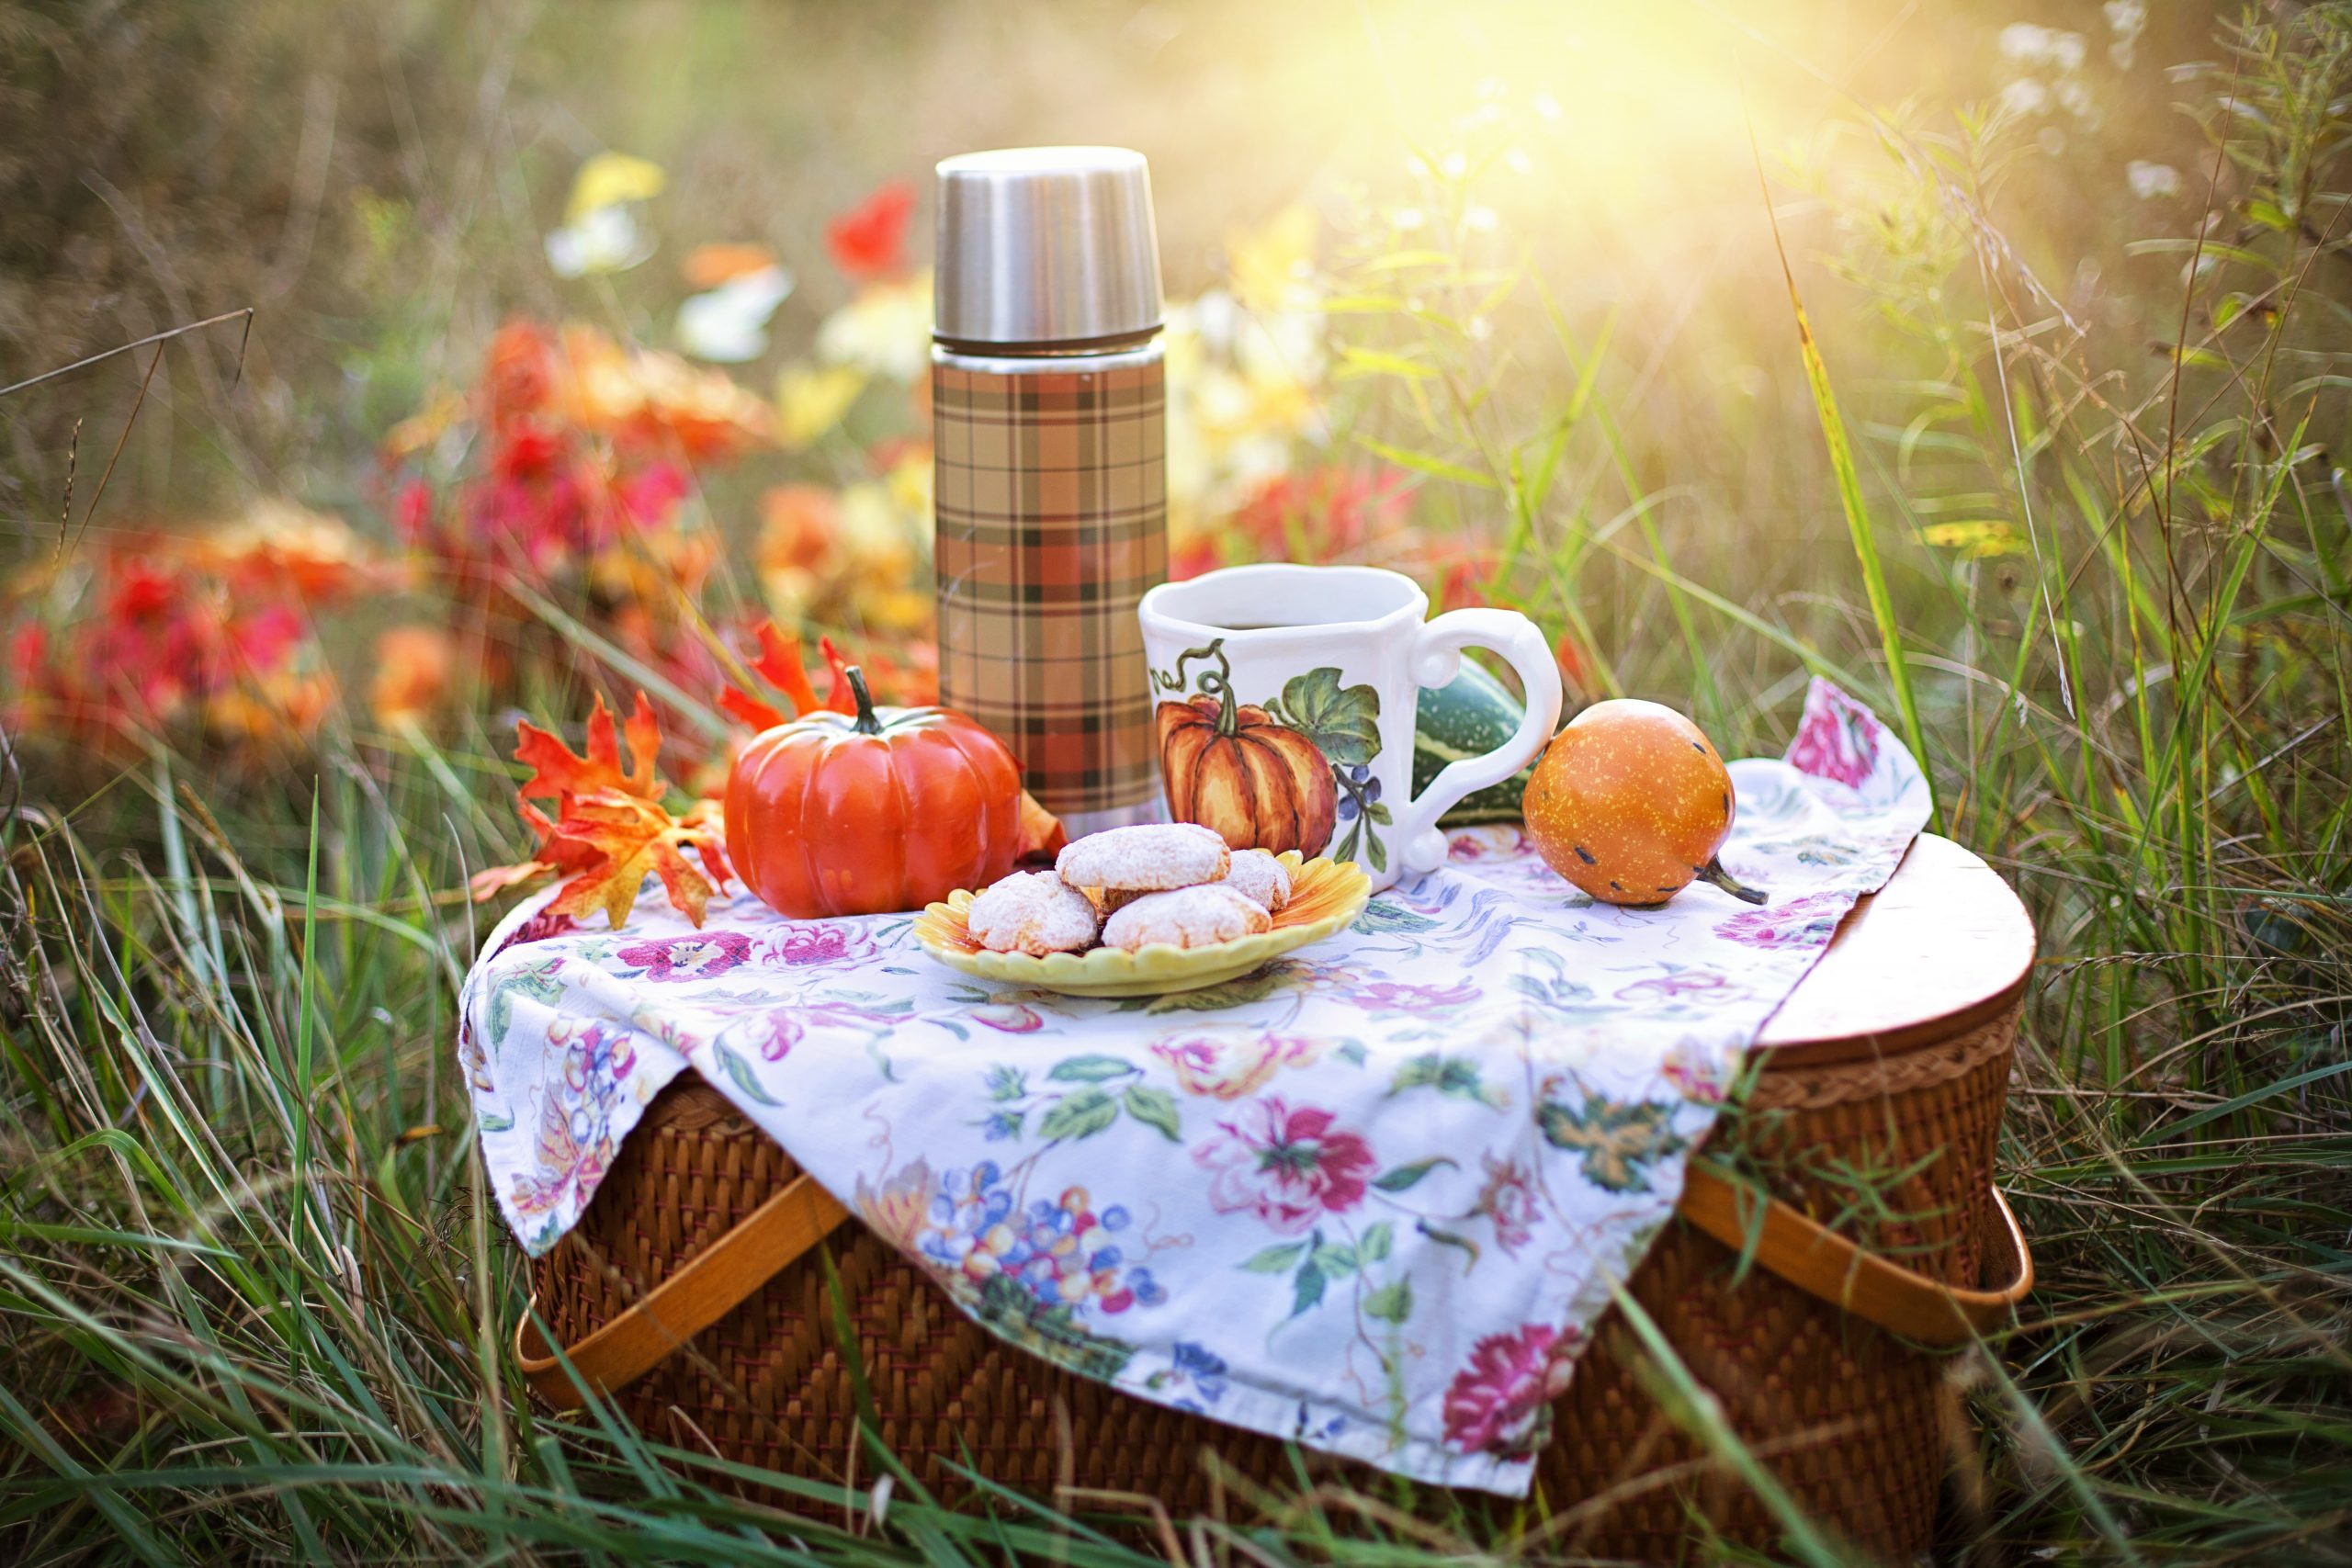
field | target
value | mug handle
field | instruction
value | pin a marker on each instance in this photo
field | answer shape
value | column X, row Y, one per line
column 1436, row 660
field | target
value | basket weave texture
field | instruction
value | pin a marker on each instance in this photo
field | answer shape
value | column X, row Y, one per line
column 1854, row 1423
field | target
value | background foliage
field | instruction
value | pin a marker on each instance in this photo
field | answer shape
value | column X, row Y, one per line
column 2037, row 445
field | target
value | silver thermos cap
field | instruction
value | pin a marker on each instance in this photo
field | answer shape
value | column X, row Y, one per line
column 1046, row 248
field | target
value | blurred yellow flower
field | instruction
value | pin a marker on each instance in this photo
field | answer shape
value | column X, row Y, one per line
column 910, row 483
column 279, row 545
column 654, row 567
column 850, row 558
column 1975, row 540
column 425, row 428
column 610, row 178
column 600, row 231
column 1271, row 265
column 885, row 331
column 811, row 399
column 879, row 557
column 660, row 397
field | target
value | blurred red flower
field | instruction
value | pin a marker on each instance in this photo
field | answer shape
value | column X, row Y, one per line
column 1193, row 557
column 204, row 634
column 1323, row 513
column 869, row 240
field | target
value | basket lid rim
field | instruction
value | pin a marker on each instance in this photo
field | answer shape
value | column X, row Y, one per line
column 1944, row 947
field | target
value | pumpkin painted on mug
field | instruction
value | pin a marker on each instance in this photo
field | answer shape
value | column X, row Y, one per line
column 1229, row 766
column 865, row 813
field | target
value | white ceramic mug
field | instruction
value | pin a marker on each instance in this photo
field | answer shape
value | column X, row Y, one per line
column 1284, row 703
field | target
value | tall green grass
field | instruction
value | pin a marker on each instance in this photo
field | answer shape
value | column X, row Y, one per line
column 253, row 1300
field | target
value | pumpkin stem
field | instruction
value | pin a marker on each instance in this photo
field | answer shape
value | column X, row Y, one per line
column 868, row 723
column 1228, row 718
column 1218, row 685
column 1714, row 873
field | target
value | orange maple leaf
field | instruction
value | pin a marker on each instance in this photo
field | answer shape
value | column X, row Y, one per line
column 559, row 773
column 632, row 836
column 779, row 665
column 610, row 826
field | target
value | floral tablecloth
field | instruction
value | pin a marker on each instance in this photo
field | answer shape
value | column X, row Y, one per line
column 1370, row 1198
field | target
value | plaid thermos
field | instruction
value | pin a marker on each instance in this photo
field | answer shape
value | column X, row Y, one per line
column 1050, row 421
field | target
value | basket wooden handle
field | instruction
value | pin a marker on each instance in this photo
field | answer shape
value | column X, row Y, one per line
column 1821, row 1263
column 711, row 1284
column 719, row 1278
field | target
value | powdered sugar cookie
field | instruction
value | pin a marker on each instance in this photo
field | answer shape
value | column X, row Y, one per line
column 1032, row 912
column 1185, row 916
column 1258, row 876
column 1145, row 859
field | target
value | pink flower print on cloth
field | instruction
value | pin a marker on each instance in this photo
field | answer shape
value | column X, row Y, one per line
column 1837, row 740
column 1501, row 1402
column 575, row 1138
column 1228, row 1064
column 1383, row 996
column 1807, row 921
column 538, row 928
column 1508, row 1200
column 1288, row 1167
column 807, row 943
column 696, row 957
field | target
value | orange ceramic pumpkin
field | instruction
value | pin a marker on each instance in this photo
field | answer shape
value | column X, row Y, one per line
column 1230, row 767
column 886, row 809
column 1630, row 803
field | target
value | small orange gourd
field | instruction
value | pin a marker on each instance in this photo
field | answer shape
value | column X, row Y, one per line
column 1630, row 802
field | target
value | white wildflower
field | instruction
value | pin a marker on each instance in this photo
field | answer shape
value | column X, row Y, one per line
column 2126, row 20
column 2024, row 42
column 2025, row 95
column 728, row 324
column 605, row 239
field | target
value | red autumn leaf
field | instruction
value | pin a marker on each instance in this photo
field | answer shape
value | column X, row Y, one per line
column 557, row 773
column 841, row 699
column 779, row 665
column 611, row 826
column 779, row 660
column 870, row 240
column 488, row 883
column 1042, row 834
column 632, row 836
column 742, row 704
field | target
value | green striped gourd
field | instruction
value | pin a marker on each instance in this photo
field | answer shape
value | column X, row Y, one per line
column 1469, row 719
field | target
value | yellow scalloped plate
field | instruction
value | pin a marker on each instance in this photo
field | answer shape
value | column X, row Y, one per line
column 1324, row 896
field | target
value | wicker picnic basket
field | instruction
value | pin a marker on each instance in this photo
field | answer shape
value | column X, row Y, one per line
column 1830, row 1360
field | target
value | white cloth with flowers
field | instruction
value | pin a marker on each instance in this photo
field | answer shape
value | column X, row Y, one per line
column 1371, row 1198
